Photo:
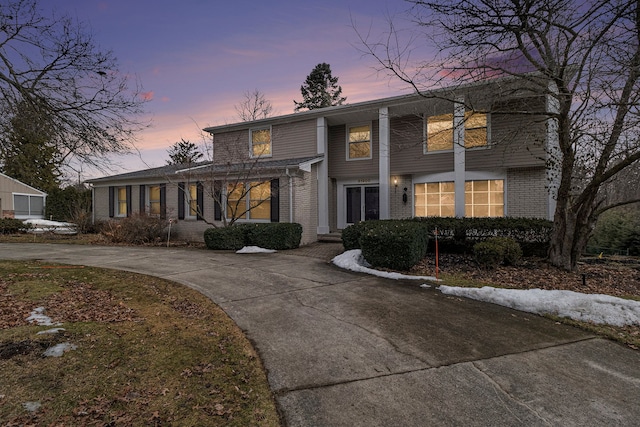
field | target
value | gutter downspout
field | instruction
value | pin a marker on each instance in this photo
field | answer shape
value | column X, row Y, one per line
column 286, row 171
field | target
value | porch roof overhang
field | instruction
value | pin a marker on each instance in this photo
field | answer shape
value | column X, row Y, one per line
column 252, row 167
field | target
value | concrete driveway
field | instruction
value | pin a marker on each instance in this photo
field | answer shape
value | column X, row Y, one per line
column 347, row 349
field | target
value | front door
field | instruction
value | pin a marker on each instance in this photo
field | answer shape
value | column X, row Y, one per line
column 363, row 202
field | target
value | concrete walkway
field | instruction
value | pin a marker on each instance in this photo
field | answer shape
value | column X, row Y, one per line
column 346, row 349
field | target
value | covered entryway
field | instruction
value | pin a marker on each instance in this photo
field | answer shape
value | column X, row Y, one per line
column 362, row 203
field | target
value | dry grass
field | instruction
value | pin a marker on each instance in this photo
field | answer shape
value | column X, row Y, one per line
column 149, row 352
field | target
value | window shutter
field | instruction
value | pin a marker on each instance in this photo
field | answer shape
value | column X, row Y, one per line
column 128, row 190
column 200, row 200
column 163, row 201
column 143, row 199
column 275, row 200
column 181, row 197
column 112, row 201
column 217, row 209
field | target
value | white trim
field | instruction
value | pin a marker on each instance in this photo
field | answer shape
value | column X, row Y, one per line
column 384, row 161
column 469, row 176
column 347, row 142
column 322, row 144
column 459, row 155
column 341, row 195
column 30, row 215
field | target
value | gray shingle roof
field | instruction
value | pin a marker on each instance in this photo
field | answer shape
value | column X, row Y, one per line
column 204, row 167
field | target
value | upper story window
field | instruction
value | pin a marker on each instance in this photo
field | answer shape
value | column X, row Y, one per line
column 359, row 142
column 440, row 131
column 121, row 193
column 153, row 201
column 260, row 140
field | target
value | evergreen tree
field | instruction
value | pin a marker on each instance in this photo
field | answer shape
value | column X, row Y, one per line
column 320, row 90
column 27, row 152
column 183, row 152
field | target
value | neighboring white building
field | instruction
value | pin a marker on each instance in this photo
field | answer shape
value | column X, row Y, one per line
column 19, row 200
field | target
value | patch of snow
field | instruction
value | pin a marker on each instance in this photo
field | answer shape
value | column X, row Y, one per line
column 37, row 316
column 39, row 226
column 59, row 349
column 595, row 308
column 255, row 250
column 51, row 331
column 31, row 406
column 601, row 309
column 354, row 261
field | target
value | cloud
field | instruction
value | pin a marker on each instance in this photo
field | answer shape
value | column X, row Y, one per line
column 146, row 96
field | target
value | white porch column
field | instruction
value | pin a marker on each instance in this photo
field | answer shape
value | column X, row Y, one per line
column 385, row 163
column 459, row 155
column 322, row 139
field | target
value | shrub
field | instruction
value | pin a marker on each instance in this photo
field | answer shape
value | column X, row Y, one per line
column 276, row 235
column 497, row 251
column 139, row 228
column 225, row 238
column 351, row 237
column 397, row 245
column 12, row 226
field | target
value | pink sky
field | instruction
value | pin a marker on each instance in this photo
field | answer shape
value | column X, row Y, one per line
column 196, row 58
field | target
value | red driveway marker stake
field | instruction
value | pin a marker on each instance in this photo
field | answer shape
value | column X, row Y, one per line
column 436, row 233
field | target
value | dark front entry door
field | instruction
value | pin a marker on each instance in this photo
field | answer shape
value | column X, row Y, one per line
column 362, row 202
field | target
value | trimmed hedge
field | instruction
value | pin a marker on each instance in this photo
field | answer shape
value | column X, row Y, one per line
column 455, row 235
column 275, row 235
column 225, row 238
column 394, row 244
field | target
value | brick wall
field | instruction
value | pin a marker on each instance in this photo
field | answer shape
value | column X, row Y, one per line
column 527, row 193
column 397, row 208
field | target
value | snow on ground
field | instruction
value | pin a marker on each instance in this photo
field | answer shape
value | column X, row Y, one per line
column 39, row 226
column 38, row 317
column 255, row 250
column 598, row 308
column 353, row 260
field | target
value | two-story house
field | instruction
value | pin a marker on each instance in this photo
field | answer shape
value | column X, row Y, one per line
column 477, row 150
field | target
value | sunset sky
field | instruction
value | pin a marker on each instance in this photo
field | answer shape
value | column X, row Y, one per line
column 196, row 58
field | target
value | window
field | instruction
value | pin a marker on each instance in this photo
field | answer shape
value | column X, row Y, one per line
column 122, row 201
column 192, row 201
column 440, row 131
column 359, row 142
column 435, row 199
column 484, row 198
column 25, row 205
column 153, row 201
column 249, row 200
column 260, row 142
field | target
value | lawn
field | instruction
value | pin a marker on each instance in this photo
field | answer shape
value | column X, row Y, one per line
column 144, row 351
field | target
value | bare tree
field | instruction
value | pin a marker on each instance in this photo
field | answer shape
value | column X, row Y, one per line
column 254, row 106
column 584, row 56
column 51, row 66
